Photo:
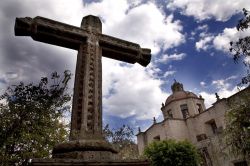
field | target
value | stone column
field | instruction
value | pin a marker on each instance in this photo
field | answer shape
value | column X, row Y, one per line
column 86, row 121
column 86, row 140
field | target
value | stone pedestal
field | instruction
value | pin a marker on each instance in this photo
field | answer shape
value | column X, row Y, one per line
column 87, row 150
column 57, row 162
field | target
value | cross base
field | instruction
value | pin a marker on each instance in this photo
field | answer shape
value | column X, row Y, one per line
column 87, row 150
column 78, row 162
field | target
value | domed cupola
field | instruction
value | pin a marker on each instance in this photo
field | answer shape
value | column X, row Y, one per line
column 179, row 93
column 181, row 103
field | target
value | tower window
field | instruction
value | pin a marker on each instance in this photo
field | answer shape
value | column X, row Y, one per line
column 212, row 125
column 201, row 137
column 184, row 110
column 157, row 138
column 199, row 107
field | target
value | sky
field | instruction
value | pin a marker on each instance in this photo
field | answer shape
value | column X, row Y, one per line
column 189, row 41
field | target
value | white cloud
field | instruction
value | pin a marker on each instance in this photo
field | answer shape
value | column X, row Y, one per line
column 223, row 93
column 224, row 90
column 131, row 91
column 209, row 98
column 134, row 3
column 220, row 84
column 222, row 40
column 173, row 57
column 203, row 44
column 247, row 60
column 233, row 77
column 221, row 10
column 169, row 73
column 224, row 83
column 202, row 83
column 170, row 67
column 21, row 55
column 145, row 24
column 202, row 27
column 193, row 33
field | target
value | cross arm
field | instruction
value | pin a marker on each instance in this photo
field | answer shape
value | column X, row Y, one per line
column 124, row 51
column 50, row 31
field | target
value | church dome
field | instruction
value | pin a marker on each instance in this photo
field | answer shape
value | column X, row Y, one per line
column 179, row 93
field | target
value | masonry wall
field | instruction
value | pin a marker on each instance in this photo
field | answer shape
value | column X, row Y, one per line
column 152, row 134
column 141, row 142
column 196, row 124
column 176, row 129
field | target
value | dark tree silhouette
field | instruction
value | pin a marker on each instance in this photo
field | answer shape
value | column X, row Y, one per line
column 241, row 48
column 30, row 119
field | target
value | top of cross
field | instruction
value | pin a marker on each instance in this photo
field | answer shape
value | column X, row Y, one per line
column 92, row 23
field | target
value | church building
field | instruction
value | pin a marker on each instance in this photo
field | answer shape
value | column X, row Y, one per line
column 187, row 118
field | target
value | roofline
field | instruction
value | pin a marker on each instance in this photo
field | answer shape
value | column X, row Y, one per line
column 245, row 89
column 213, row 105
column 142, row 132
column 223, row 99
column 182, row 99
column 150, row 127
column 227, row 98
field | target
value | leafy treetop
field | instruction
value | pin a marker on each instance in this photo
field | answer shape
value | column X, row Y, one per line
column 30, row 119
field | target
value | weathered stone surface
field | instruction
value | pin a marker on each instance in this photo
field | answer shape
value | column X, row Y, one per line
column 88, row 150
column 57, row 162
column 87, row 155
column 61, row 34
column 86, row 140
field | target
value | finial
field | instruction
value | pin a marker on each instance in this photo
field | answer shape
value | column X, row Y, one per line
column 162, row 105
column 177, row 86
column 139, row 129
column 217, row 96
column 154, row 120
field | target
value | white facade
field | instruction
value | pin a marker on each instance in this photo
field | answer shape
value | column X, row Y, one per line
column 186, row 118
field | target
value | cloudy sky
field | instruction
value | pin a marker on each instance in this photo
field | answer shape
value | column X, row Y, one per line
column 189, row 40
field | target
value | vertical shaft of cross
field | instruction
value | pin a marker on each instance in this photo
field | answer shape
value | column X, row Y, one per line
column 86, row 121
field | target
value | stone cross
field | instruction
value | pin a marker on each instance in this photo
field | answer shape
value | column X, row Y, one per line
column 86, row 118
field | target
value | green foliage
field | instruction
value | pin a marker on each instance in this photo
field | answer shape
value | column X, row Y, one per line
column 172, row 153
column 122, row 139
column 241, row 48
column 30, row 119
column 237, row 131
column 122, row 136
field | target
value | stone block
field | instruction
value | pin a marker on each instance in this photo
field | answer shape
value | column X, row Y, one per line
column 81, row 162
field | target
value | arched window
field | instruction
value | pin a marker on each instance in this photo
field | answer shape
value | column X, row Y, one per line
column 184, row 110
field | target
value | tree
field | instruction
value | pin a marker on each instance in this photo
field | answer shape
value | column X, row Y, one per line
column 30, row 119
column 237, row 131
column 241, row 48
column 172, row 153
column 122, row 139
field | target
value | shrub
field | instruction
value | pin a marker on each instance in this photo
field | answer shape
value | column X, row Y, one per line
column 172, row 153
